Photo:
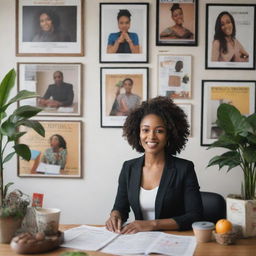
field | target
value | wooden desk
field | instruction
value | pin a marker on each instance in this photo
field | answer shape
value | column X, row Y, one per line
column 243, row 247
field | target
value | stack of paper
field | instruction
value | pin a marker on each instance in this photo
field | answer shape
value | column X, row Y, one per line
column 99, row 238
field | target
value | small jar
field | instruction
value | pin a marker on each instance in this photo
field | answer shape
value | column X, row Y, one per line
column 203, row 231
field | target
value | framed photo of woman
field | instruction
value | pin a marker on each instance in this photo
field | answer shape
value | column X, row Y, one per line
column 49, row 28
column 122, row 89
column 57, row 84
column 174, row 76
column 240, row 94
column 58, row 154
column 124, row 32
column 176, row 22
column 230, row 36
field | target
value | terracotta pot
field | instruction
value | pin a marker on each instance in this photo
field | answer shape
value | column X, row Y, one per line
column 8, row 227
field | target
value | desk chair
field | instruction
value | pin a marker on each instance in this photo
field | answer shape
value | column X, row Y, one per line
column 214, row 206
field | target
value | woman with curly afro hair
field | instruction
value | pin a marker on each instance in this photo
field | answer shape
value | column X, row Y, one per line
column 161, row 189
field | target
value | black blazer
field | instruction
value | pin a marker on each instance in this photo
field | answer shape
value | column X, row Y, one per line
column 178, row 195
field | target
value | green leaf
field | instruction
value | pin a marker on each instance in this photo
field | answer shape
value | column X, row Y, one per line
column 6, row 85
column 16, row 136
column 8, row 157
column 252, row 139
column 230, row 159
column 22, row 95
column 23, row 151
column 35, row 125
column 249, row 154
column 252, row 120
column 8, row 129
column 231, row 121
column 26, row 111
column 227, row 141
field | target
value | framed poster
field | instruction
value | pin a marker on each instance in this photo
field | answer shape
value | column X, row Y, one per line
column 124, row 32
column 187, row 108
column 122, row 89
column 176, row 22
column 58, row 154
column 49, row 28
column 230, row 36
column 240, row 94
column 58, row 84
column 174, row 76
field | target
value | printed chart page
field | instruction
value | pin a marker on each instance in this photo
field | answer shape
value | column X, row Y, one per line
column 87, row 238
column 131, row 244
column 167, row 244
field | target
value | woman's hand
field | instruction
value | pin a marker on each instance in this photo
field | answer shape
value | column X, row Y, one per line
column 138, row 226
column 114, row 222
column 126, row 37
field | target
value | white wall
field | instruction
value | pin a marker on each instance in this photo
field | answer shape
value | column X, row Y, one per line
column 89, row 200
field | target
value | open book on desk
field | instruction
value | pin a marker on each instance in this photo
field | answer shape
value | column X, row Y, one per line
column 90, row 238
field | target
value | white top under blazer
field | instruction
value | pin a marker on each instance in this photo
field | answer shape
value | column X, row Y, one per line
column 147, row 202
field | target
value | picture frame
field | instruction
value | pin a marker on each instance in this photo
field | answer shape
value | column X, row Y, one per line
column 177, row 22
column 50, row 28
column 239, row 93
column 232, row 45
column 58, row 84
column 187, row 108
column 174, row 76
column 122, row 89
column 43, row 161
column 124, row 32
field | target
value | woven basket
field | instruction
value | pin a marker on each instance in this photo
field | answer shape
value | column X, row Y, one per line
column 226, row 238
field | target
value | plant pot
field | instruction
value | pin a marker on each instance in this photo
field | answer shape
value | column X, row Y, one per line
column 8, row 227
column 242, row 213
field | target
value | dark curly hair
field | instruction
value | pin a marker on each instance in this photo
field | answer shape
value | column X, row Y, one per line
column 220, row 35
column 174, row 118
column 62, row 142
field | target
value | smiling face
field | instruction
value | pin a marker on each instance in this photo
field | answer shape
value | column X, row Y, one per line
column 46, row 22
column 124, row 23
column 177, row 16
column 153, row 134
column 226, row 25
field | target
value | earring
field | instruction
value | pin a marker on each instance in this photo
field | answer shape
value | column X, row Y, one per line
column 167, row 144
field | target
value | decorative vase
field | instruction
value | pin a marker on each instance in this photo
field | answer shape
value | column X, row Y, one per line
column 8, row 227
column 242, row 213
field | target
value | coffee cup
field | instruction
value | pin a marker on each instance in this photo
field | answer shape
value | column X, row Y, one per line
column 203, row 231
column 47, row 220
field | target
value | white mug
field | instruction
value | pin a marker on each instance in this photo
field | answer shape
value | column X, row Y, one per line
column 47, row 220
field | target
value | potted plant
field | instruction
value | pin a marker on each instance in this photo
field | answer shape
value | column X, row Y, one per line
column 239, row 138
column 13, row 205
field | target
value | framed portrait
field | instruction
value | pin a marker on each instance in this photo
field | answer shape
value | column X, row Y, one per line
column 187, row 108
column 49, row 28
column 176, row 22
column 230, row 36
column 174, row 76
column 240, row 94
column 124, row 32
column 58, row 84
column 58, row 154
column 122, row 89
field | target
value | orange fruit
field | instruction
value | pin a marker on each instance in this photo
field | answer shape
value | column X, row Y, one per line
column 223, row 226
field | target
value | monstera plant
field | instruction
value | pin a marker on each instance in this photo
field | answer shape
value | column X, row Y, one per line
column 13, row 204
column 239, row 138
